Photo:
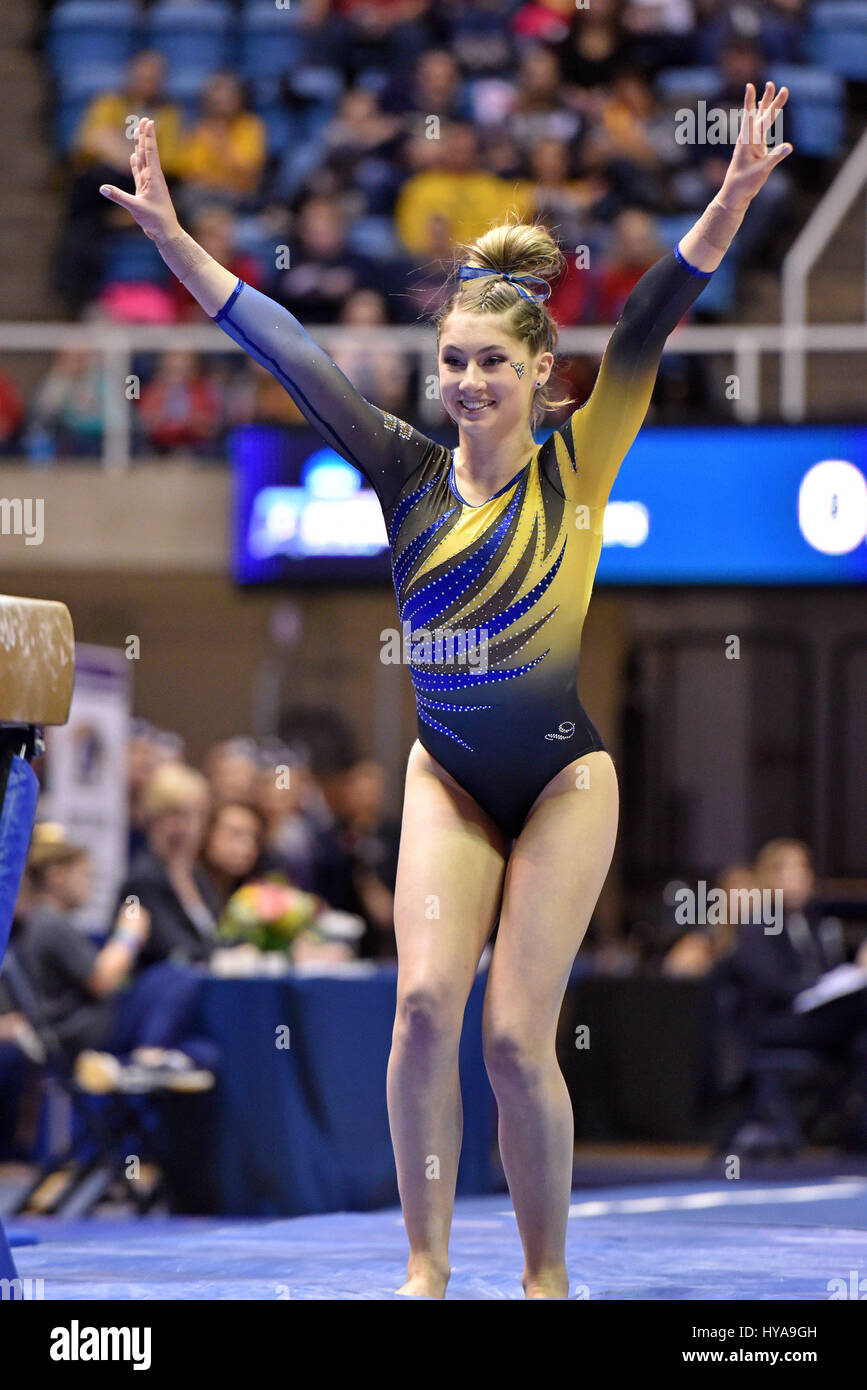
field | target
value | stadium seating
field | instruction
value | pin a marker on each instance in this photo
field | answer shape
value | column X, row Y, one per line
column 269, row 44
column 91, row 31
column 815, row 117
column 837, row 37
column 192, row 37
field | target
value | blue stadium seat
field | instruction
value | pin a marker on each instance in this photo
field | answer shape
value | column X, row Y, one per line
column 133, row 259
column 183, row 87
column 837, row 37
column 192, row 36
column 88, row 80
column 815, row 115
column 278, row 127
column 91, row 31
column 718, row 295
column 270, row 42
column 67, row 114
column 688, row 83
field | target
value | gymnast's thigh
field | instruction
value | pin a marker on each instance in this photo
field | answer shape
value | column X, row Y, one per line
column 449, row 881
column 557, row 868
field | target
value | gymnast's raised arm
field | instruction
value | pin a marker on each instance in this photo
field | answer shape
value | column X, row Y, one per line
column 385, row 449
column 603, row 429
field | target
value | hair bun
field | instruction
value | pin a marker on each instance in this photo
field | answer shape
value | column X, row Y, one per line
column 516, row 248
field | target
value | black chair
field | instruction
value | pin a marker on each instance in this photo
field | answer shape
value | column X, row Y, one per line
column 111, row 1126
column 783, row 1092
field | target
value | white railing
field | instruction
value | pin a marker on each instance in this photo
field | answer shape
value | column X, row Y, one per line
column 800, row 259
column 745, row 343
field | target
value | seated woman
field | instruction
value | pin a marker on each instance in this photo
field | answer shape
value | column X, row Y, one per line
column 233, row 847
column 224, row 154
column 165, row 877
column 98, row 1018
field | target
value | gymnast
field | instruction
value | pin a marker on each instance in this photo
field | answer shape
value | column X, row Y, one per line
column 511, row 800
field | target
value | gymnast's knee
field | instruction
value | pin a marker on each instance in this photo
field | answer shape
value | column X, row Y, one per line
column 428, row 1015
column 515, row 1058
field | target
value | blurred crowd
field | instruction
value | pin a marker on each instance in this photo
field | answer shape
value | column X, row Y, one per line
column 397, row 129
column 318, row 853
column 258, row 857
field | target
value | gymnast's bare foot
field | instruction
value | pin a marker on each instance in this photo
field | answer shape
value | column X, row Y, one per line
column 425, row 1278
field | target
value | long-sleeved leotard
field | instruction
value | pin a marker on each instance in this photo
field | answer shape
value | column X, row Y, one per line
column 492, row 598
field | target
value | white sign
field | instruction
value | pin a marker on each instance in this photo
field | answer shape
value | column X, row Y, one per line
column 85, row 786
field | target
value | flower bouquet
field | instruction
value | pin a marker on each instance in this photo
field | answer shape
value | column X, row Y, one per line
column 270, row 913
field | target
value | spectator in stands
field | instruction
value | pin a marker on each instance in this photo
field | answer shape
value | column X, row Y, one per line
column 770, row 968
column 357, row 867
column 381, row 375
column 635, row 249
column 11, row 414
column 357, row 35
column 69, row 403
column 232, row 770
column 179, row 408
column 233, row 845
column 538, row 111
column 427, row 283
column 479, row 36
column 147, row 749
column 658, row 35
column 165, row 877
column 778, row 25
column 433, row 87
column 216, row 230
column 698, row 950
column 565, row 203
column 83, row 992
column 545, row 21
column 296, row 818
column 100, row 154
column 468, row 196
column 224, row 154
column 360, row 145
column 104, row 139
column 591, row 53
column 740, row 61
column 324, row 272
column 633, row 144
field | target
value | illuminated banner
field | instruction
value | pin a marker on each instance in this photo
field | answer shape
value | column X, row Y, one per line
column 717, row 505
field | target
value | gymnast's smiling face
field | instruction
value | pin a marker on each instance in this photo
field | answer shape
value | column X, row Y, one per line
column 488, row 375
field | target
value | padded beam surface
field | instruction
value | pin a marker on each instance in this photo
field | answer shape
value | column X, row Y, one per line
column 37, row 661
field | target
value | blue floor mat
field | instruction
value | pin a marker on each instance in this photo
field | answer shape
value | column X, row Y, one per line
column 670, row 1241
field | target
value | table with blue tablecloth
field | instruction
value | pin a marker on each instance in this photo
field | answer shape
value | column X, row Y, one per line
column 304, row 1127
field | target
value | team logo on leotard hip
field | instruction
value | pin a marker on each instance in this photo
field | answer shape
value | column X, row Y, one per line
column 567, row 729
column 519, row 368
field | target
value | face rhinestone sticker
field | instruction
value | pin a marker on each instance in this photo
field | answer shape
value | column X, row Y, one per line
column 519, row 368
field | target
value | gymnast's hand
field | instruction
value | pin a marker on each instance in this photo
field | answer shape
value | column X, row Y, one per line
column 752, row 161
column 151, row 205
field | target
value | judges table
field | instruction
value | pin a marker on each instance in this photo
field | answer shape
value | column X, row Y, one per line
column 301, row 1123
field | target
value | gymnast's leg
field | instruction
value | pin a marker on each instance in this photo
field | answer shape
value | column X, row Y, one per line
column 449, row 881
column 556, row 871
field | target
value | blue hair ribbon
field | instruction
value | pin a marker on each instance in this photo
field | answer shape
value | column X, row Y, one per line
column 472, row 272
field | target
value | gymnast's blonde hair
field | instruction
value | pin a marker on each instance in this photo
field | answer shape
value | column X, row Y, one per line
column 512, row 248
